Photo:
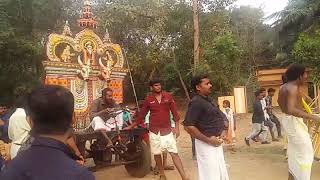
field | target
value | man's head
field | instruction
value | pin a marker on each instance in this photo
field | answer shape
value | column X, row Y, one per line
column 296, row 72
column 259, row 95
column 263, row 91
column 226, row 104
column 155, row 85
column 22, row 100
column 3, row 108
column 51, row 110
column 201, row 85
column 107, row 95
column 271, row 92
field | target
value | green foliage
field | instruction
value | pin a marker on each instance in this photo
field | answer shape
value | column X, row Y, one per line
column 254, row 37
column 307, row 51
column 216, row 5
column 22, row 26
column 156, row 36
column 222, row 63
column 148, row 36
column 299, row 16
column 296, row 12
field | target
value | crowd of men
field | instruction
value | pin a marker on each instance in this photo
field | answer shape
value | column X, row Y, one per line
column 40, row 130
column 300, row 151
column 48, row 111
column 263, row 118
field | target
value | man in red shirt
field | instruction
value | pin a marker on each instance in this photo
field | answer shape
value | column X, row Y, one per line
column 162, row 136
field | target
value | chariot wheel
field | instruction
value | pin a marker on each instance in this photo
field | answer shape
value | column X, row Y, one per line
column 141, row 167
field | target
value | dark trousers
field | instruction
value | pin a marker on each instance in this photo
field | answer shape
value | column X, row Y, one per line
column 193, row 147
column 2, row 162
column 276, row 121
column 269, row 124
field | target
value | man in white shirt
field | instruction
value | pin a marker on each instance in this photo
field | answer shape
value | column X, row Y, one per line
column 267, row 121
column 19, row 128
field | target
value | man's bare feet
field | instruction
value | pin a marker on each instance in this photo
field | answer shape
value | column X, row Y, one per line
column 156, row 170
column 275, row 140
column 265, row 142
column 168, row 167
column 163, row 177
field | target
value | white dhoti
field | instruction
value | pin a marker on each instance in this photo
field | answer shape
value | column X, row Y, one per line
column 98, row 123
column 300, row 150
column 14, row 149
column 18, row 130
column 211, row 163
column 159, row 144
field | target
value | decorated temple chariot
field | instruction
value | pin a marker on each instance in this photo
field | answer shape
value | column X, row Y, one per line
column 85, row 64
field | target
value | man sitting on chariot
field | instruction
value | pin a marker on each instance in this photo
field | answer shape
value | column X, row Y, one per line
column 104, row 114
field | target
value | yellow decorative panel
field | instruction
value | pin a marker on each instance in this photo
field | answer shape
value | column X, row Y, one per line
column 117, row 87
column 58, row 81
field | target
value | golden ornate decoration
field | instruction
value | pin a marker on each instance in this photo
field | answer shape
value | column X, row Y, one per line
column 84, row 63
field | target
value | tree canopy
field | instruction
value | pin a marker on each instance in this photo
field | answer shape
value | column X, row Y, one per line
column 157, row 38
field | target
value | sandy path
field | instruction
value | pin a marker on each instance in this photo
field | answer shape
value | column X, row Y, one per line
column 262, row 162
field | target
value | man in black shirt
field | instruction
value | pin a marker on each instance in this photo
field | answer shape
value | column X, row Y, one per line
column 258, row 120
column 205, row 122
column 50, row 109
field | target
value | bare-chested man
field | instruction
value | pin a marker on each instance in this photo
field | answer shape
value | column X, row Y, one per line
column 300, row 151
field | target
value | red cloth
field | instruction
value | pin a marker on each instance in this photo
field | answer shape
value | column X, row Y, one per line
column 145, row 138
column 159, row 113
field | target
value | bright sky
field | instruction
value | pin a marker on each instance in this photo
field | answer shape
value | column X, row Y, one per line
column 268, row 6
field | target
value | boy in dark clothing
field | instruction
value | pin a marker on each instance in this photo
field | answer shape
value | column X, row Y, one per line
column 258, row 121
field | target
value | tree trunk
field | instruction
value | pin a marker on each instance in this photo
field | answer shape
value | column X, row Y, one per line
column 180, row 78
column 254, row 46
column 183, row 85
column 152, row 73
column 196, row 40
column 254, row 26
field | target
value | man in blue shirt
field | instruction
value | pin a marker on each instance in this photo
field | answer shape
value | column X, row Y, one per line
column 50, row 109
column 4, row 122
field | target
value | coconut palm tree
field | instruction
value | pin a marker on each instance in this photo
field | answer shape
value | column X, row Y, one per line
column 299, row 16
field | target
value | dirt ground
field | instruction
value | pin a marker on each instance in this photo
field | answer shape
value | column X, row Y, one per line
column 262, row 162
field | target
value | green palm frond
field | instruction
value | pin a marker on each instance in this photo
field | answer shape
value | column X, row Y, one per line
column 295, row 13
